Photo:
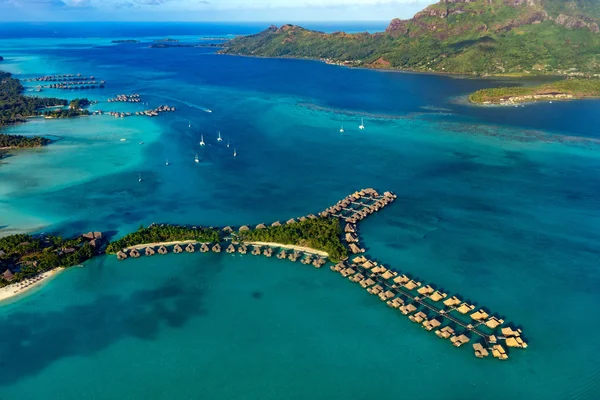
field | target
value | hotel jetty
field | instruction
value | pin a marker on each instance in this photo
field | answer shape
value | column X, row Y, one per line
column 448, row 316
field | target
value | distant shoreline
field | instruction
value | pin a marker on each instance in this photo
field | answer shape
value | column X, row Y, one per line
column 17, row 289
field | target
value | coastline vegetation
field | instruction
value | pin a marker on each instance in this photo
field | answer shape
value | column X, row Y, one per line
column 28, row 256
column 319, row 234
column 164, row 233
column 560, row 90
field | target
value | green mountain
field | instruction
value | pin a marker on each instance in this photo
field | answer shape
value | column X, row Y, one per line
column 455, row 36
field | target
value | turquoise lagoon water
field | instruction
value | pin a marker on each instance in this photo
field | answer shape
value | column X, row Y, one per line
column 497, row 205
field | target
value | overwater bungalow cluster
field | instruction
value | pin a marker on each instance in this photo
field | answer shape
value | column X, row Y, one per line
column 61, row 78
column 126, row 98
column 148, row 113
column 449, row 317
column 75, row 85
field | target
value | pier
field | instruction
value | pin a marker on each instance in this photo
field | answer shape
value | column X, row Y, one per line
column 449, row 317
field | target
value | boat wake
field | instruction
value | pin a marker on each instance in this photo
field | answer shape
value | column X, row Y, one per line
column 191, row 105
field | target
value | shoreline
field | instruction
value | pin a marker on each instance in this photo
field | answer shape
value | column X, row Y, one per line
column 16, row 289
column 291, row 247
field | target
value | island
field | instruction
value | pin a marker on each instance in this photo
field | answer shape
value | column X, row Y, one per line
column 312, row 239
column 568, row 89
column 166, row 40
column 479, row 37
column 15, row 107
column 180, row 45
column 19, row 141
column 125, row 41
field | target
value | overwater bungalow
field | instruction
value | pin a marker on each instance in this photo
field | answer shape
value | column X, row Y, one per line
column 149, row 251
column 401, row 280
column 493, row 322
column 359, row 260
column 121, row 255
column 177, row 249
column 480, row 351
column 204, row 248
column 395, row 302
column 190, row 248
column 499, row 352
column 319, row 262
column 425, row 290
column 216, row 248
column 375, row 289
column 385, row 296
column 388, row 274
column 228, row 229
column 268, row 252
column 445, row 332
column 244, row 228
column 367, row 264
column 458, row 341
column 347, row 272
column 256, row 250
column 418, row 317
column 367, row 283
column 452, row 301
column 356, row 277
column 276, row 223
column 465, row 308
column 479, row 315
column 162, row 250
column 261, row 226
column 407, row 309
column 437, row 296
column 282, row 255
column 293, row 256
column 349, row 228
column 290, row 221
column 307, row 259
column 507, row 332
column 324, row 214
column 350, row 238
column 302, row 219
column 134, row 253
column 412, row 285
column 431, row 324
column 355, row 249
column 230, row 248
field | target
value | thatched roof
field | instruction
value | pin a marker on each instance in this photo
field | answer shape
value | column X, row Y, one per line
column 276, row 223
column 290, row 221
column 216, row 248
column 302, row 219
column 312, row 216
column 261, row 226
column 228, row 229
column 8, row 275
column 244, row 228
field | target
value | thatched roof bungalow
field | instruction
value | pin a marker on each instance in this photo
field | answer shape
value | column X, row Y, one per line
column 204, row 248
column 8, row 275
column 244, row 228
column 150, row 251
column 312, row 216
column 276, row 223
column 261, row 226
column 162, row 250
column 268, row 252
column 282, row 255
column 230, row 248
column 190, row 248
column 134, row 253
column 256, row 250
column 177, row 249
column 290, row 221
column 216, row 248
column 121, row 255
column 243, row 249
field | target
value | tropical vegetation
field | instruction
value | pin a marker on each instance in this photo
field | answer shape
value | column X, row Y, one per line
column 459, row 36
column 164, row 233
column 28, row 255
column 319, row 234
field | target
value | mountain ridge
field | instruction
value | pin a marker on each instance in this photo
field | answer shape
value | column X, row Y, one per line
column 455, row 36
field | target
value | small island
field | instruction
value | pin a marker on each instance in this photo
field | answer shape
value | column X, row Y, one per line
column 125, row 41
column 569, row 89
column 19, row 141
column 15, row 107
column 166, row 40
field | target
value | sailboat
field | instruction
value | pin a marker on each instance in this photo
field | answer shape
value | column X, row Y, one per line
column 202, row 140
column 167, row 162
column 219, row 138
column 362, row 124
column 139, row 177
column 227, row 142
column 234, row 153
column 196, row 159
column 342, row 129
column 189, row 124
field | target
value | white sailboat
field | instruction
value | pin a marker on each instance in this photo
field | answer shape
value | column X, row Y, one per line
column 196, row 159
column 139, row 177
column 219, row 139
column 167, row 162
column 362, row 124
column 202, row 140
column 342, row 129
column 227, row 142
column 234, row 153
column 189, row 124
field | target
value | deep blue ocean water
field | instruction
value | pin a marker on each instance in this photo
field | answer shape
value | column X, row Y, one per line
column 497, row 205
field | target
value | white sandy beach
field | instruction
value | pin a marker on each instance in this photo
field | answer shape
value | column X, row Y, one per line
column 292, row 247
column 17, row 289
